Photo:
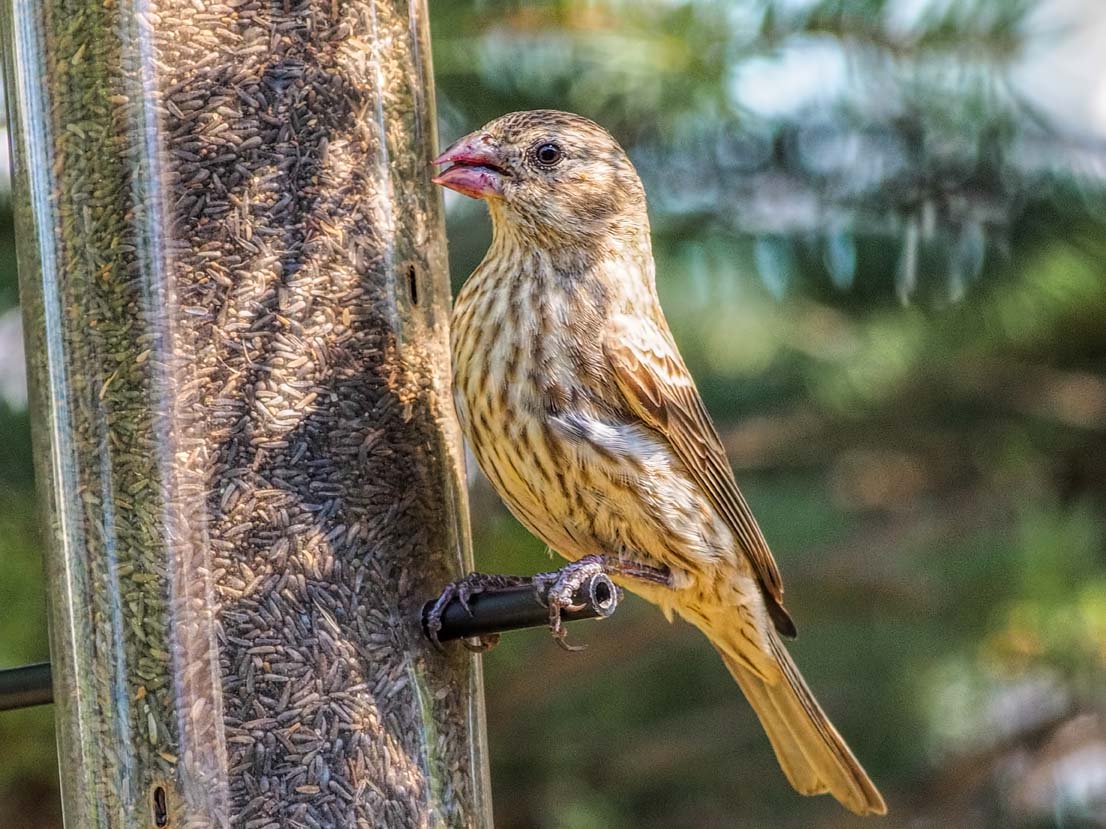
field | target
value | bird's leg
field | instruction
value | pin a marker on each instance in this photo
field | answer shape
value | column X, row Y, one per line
column 462, row 590
column 557, row 588
column 638, row 571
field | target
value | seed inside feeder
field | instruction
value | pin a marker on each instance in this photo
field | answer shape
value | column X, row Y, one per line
column 241, row 345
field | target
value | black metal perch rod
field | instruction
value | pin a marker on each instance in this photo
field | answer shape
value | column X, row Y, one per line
column 25, row 686
column 492, row 611
column 521, row 606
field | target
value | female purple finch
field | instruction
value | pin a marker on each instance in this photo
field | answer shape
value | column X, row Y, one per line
column 581, row 412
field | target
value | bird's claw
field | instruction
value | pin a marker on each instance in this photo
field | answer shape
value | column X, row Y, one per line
column 463, row 590
column 556, row 589
column 481, row 644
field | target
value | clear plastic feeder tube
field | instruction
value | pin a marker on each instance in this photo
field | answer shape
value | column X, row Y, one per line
column 236, row 302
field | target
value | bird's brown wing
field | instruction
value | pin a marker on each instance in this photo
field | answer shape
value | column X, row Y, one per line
column 658, row 388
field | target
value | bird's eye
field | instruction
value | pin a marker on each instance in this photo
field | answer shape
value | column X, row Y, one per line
column 548, row 154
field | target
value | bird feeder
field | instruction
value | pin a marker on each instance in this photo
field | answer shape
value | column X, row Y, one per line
column 234, row 283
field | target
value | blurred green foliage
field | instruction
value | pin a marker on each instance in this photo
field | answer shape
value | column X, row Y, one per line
column 883, row 258
column 883, row 261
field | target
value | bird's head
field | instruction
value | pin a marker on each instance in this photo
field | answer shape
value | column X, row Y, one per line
column 548, row 175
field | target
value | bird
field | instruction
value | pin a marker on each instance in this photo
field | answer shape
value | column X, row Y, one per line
column 581, row 412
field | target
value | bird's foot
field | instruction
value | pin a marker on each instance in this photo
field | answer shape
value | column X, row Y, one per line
column 462, row 590
column 557, row 589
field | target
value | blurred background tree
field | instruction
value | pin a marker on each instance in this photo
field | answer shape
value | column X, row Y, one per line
column 880, row 230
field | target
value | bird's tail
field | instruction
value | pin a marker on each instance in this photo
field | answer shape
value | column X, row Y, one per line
column 810, row 751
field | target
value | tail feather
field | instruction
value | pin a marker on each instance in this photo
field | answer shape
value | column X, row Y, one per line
column 810, row 751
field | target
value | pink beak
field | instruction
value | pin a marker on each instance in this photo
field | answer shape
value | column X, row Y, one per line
column 476, row 169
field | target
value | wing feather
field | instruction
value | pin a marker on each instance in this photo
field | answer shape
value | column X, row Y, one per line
column 657, row 387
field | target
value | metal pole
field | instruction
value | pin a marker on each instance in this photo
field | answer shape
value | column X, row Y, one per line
column 233, row 277
column 491, row 612
column 25, row 686
column 521, row 606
